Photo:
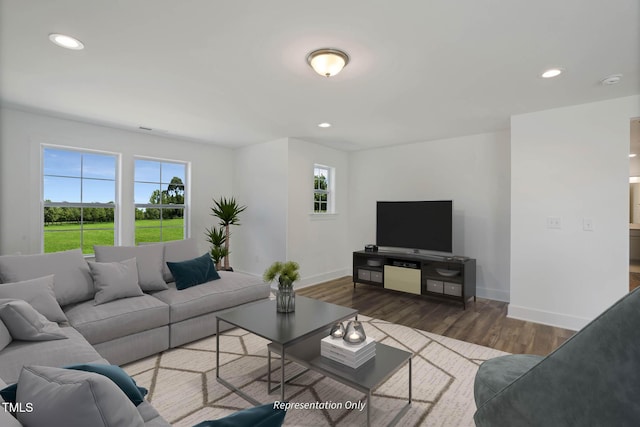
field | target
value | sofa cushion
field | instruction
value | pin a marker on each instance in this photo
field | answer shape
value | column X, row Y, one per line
column 115, row 280
column 115, row 319
column 75, row 349
column 39, row 294
column 5, row 336
column 71, row 283
column 269, row 415
column 149, row 259
column 176, row 251
column 118, row 376
column 26, row 324
column 73, row 398
column 233, row 289
column 193, row 272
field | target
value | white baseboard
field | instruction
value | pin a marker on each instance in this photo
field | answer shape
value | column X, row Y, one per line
column 565, row 321
column 320, row 278
column 312, row 280
column 493, row 294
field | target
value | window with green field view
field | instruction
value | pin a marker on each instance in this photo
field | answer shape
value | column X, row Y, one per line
column 159, row 193
column 79, row 194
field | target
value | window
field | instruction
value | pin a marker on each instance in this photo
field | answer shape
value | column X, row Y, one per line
column 159, row 193
column 79, row 199
column 322, row 189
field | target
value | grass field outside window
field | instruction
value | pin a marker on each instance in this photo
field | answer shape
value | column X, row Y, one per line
column 62, row 237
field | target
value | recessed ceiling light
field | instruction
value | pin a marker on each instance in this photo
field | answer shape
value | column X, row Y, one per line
column 551, row 72
column 324, row 125
column 632, row 155
column 65, row 41
column 611, row 80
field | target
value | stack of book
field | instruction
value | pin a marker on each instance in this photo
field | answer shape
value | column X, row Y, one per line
column 352, row 355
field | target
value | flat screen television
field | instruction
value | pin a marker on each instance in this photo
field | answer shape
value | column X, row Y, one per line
column 423, row 225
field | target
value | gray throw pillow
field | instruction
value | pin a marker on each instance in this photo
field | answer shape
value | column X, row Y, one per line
column 72, row 281
column 73, row 398
column 148, row 259
column 5, row 336
column 115, row 280
column 39, row 294
column 26, row 324
column 176, row 251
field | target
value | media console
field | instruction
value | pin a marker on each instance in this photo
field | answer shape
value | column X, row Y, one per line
column 438, row 276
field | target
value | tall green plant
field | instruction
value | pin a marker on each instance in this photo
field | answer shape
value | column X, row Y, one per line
column 217, row 238
column 227, row 211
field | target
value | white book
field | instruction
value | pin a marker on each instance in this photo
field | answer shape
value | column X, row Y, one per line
column 348, row 359
column 346, row 355
column 341, row 346
column 353, row 364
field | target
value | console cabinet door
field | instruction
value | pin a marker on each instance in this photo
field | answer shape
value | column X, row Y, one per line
column 402, row 279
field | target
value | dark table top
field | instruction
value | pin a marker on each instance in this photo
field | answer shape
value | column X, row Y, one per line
column 262, row 319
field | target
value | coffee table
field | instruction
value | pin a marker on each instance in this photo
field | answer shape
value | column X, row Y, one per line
column 282, row 329
column 366, row 378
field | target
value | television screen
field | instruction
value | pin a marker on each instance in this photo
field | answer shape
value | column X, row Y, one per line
column 426, row 225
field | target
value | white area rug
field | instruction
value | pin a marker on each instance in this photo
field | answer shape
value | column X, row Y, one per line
column 183, row 388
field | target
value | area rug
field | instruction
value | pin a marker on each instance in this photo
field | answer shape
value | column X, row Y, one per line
column 183, row 388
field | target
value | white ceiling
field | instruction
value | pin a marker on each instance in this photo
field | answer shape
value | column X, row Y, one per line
column 234, row 72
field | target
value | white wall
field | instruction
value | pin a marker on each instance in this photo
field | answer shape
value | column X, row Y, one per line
column 317, row 242
column 260, row 181
column 275, row 180
column 473, row 171
column 570, row 163
column 21, row 135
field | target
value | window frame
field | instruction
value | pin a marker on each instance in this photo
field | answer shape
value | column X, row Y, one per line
column 116, row 205
column 186, row 206
column 329, row 192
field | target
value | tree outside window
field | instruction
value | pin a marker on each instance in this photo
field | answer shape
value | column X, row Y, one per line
column 79, row 199
column 159, row 192
column 322, row 195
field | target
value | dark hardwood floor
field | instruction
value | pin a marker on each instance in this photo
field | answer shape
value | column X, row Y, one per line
column 484, row 322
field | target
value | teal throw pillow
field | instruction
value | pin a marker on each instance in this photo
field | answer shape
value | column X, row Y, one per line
column 114, row 373
column 258, row 416
column 118, row 376
column 193, row 272
column 9, row 393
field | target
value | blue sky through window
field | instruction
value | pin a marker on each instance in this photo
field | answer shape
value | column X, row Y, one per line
column 73, row 176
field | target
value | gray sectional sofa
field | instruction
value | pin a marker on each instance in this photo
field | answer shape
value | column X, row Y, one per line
column 125, row 329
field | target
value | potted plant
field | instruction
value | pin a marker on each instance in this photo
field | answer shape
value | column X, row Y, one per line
column 227, row 211
column 286, row 273
column 216, row 237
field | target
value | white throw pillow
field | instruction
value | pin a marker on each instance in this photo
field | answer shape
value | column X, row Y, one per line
column 115, row 280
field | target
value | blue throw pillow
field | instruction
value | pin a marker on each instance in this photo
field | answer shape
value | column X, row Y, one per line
column 259, row 416
column 193, row 272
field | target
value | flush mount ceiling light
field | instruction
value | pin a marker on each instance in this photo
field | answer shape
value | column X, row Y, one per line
column 551, row 72
column 324, row 125
column 65, row 41
column 632, row 155
column 327, row 62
